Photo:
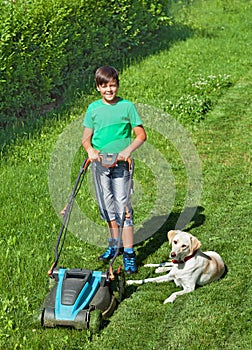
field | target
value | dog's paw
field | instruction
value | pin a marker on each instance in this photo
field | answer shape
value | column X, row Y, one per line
column 151, row 265
column 162, row 269
column 129, row 282
column 170, row 299
column 167, row 301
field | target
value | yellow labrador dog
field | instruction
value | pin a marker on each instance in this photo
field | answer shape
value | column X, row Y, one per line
column 189, row 267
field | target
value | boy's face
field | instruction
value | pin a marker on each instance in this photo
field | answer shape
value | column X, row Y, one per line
column 108, row 91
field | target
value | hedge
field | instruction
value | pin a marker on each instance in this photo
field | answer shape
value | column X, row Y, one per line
column 47, row 45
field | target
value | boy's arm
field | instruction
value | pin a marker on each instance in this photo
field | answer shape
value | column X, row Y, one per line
column 93, row 154
column 138, row 141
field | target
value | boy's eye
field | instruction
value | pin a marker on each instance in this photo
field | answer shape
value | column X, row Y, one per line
column 104, row 86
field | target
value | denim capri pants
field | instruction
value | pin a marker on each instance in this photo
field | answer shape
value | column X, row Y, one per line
column 111, row 187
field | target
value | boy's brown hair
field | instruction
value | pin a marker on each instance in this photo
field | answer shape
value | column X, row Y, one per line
column 104, row 74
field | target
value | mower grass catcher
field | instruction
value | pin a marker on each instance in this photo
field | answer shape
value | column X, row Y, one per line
column 81, row 298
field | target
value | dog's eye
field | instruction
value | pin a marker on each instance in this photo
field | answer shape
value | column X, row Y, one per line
column 183, row 245
column 175, row 242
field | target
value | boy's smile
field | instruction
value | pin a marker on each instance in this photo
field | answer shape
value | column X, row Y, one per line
column 108, row 91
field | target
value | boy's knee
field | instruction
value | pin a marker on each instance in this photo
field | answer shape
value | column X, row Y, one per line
column 128, row 222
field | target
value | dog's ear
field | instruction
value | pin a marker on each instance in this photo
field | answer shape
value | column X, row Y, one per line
column 195, row 244
column 170, row 235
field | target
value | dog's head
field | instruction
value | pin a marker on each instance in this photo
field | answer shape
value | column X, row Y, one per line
column 183, row 244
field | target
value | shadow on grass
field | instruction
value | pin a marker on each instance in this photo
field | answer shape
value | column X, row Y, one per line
column 34, row 121
column 156, row 241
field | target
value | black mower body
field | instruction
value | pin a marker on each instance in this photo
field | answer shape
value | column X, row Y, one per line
column 81, row 298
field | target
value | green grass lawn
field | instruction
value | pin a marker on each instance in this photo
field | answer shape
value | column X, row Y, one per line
column 217, row 316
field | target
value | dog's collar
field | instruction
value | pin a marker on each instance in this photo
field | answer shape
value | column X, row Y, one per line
column 185, row 259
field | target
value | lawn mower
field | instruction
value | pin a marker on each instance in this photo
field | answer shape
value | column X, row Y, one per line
column 83, row 298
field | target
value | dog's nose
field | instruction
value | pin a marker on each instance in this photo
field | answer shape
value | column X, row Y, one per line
column 173, row 254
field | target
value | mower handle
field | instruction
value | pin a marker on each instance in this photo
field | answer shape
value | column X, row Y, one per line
column 109, row 160
column 67, row 210
column 66, row 214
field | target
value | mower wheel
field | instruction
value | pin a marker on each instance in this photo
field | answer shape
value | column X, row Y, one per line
column 118, row 285
column 47, row 317
column 95, row 321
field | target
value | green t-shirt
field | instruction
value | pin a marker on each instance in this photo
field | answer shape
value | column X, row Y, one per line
column 111, row 124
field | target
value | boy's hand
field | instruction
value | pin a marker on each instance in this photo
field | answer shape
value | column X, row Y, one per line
column 124, row 155
column 93, row 154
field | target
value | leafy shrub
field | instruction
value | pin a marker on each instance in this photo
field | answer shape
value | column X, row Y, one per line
column 47, row 45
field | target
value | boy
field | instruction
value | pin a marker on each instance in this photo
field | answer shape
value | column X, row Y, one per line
column 107, row 129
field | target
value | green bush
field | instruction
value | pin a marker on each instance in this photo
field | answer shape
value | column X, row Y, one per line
column 47, row 45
